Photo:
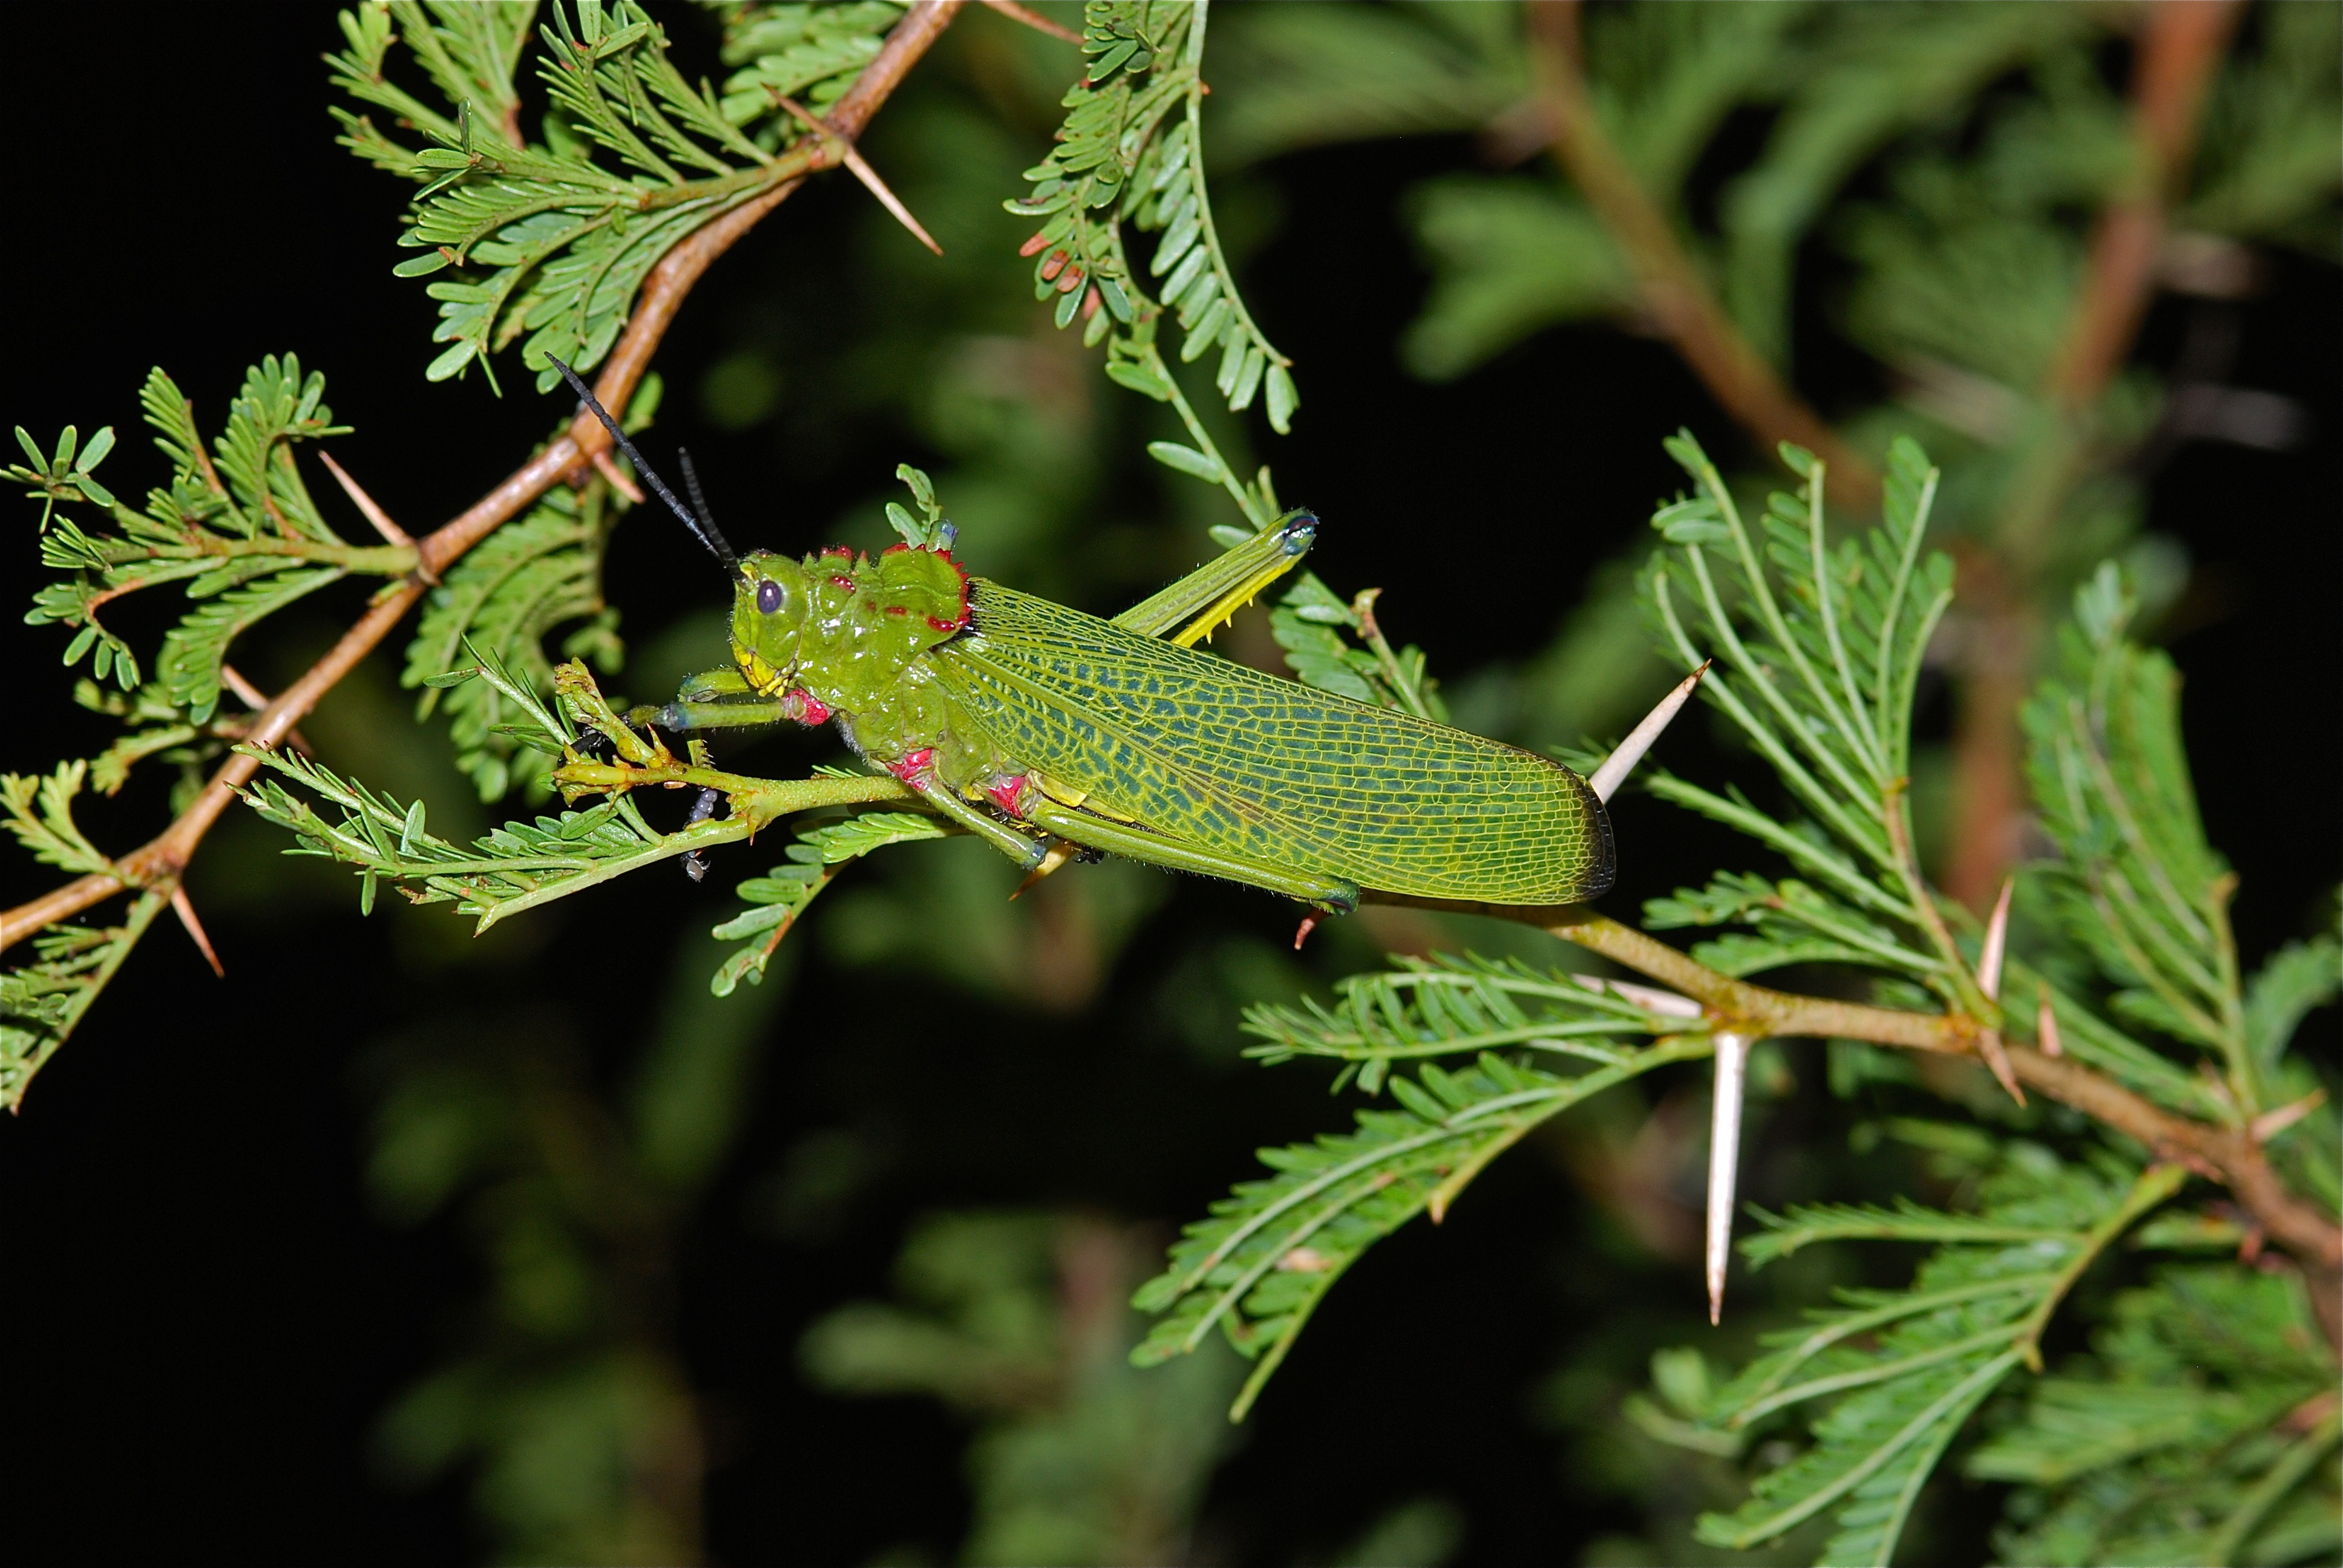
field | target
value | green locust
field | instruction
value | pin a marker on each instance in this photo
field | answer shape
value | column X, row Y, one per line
column 1026, row 723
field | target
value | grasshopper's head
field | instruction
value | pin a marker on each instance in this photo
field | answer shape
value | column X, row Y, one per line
column 768, row 618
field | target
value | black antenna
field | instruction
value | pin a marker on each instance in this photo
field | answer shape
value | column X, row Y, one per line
column 702, row 527
column 691, row 489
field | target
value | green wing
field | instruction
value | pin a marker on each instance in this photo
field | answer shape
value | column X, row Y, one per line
column 1211, row 751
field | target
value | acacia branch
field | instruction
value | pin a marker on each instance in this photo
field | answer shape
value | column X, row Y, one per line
column 159, row 863
column 2229, row 1155
column 1673, row 289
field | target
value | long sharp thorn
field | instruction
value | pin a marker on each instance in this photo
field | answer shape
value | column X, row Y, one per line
column 2045, row 1027
column 367, row 505
column 1622, row 762
column 862, row 171
column 1997, row 942
column 1010, row 8
column 252, row 697
column 1724, row 1160
column 184, row 907
column 1996, row 1057
column 2271, row 1124
column 618, row 481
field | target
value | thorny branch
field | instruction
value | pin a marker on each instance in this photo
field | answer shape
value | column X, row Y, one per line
column 159, row 864
column 1673, row 291
column 2229, row 1155
column 2232, row 1156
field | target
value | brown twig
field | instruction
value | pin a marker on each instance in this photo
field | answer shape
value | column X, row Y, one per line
column 664, row 289
column 2180, row 45
column 1674, row 292
column 2230, row 1155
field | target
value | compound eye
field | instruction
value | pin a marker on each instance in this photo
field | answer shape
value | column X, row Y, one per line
column 768, row 597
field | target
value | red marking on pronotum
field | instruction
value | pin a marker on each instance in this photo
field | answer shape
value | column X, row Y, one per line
column 913, row 767
column 1010, row 794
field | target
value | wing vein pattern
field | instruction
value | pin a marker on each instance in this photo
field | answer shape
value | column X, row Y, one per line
column 1209, row 751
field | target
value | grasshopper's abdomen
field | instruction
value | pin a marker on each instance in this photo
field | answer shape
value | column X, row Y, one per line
column 1211, row 753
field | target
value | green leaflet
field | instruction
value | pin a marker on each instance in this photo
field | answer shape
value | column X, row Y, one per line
column 2192, row 1432
column 236, row 526
column 1259, row 1267
column 536, row 572
column 776, row 899
column 549, row 238
column 1453, row 1006
column 1130, row 152
column 1897, row 1375
column 2138, row 885
column 42, row 1001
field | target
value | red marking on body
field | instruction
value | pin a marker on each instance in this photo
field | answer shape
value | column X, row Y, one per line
column 1010, row 794
column 810, row 710
column 839, row 579
column 897, row 609
column 836, row 550
column 915, row 767
column 959, row 620
column 893, row 549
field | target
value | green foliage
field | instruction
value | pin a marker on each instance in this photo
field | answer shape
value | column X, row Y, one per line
column 1903, row 1370
column 776, row 899
column 40, row 1002
column 517, row 867
column 539, row 571
column 552, row 237
column 2137, row 884
column 1816, row 651
column 236, row 525
column 1124, row 159
column 1260, row 1266
column 559, row 1393
column 2199, row 1428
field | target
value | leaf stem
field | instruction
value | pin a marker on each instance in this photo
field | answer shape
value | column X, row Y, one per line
column 2155, row 1184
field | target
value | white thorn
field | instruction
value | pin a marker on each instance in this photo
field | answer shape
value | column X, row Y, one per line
column 862, row 171
column 2045, row 1027
column 1725, row 1159
column 1622, row 762
column 2271, row 1124
column 1997, row 942
column 1652, row 999
column 367, row 505
column 184, row 909
column 618, row 481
